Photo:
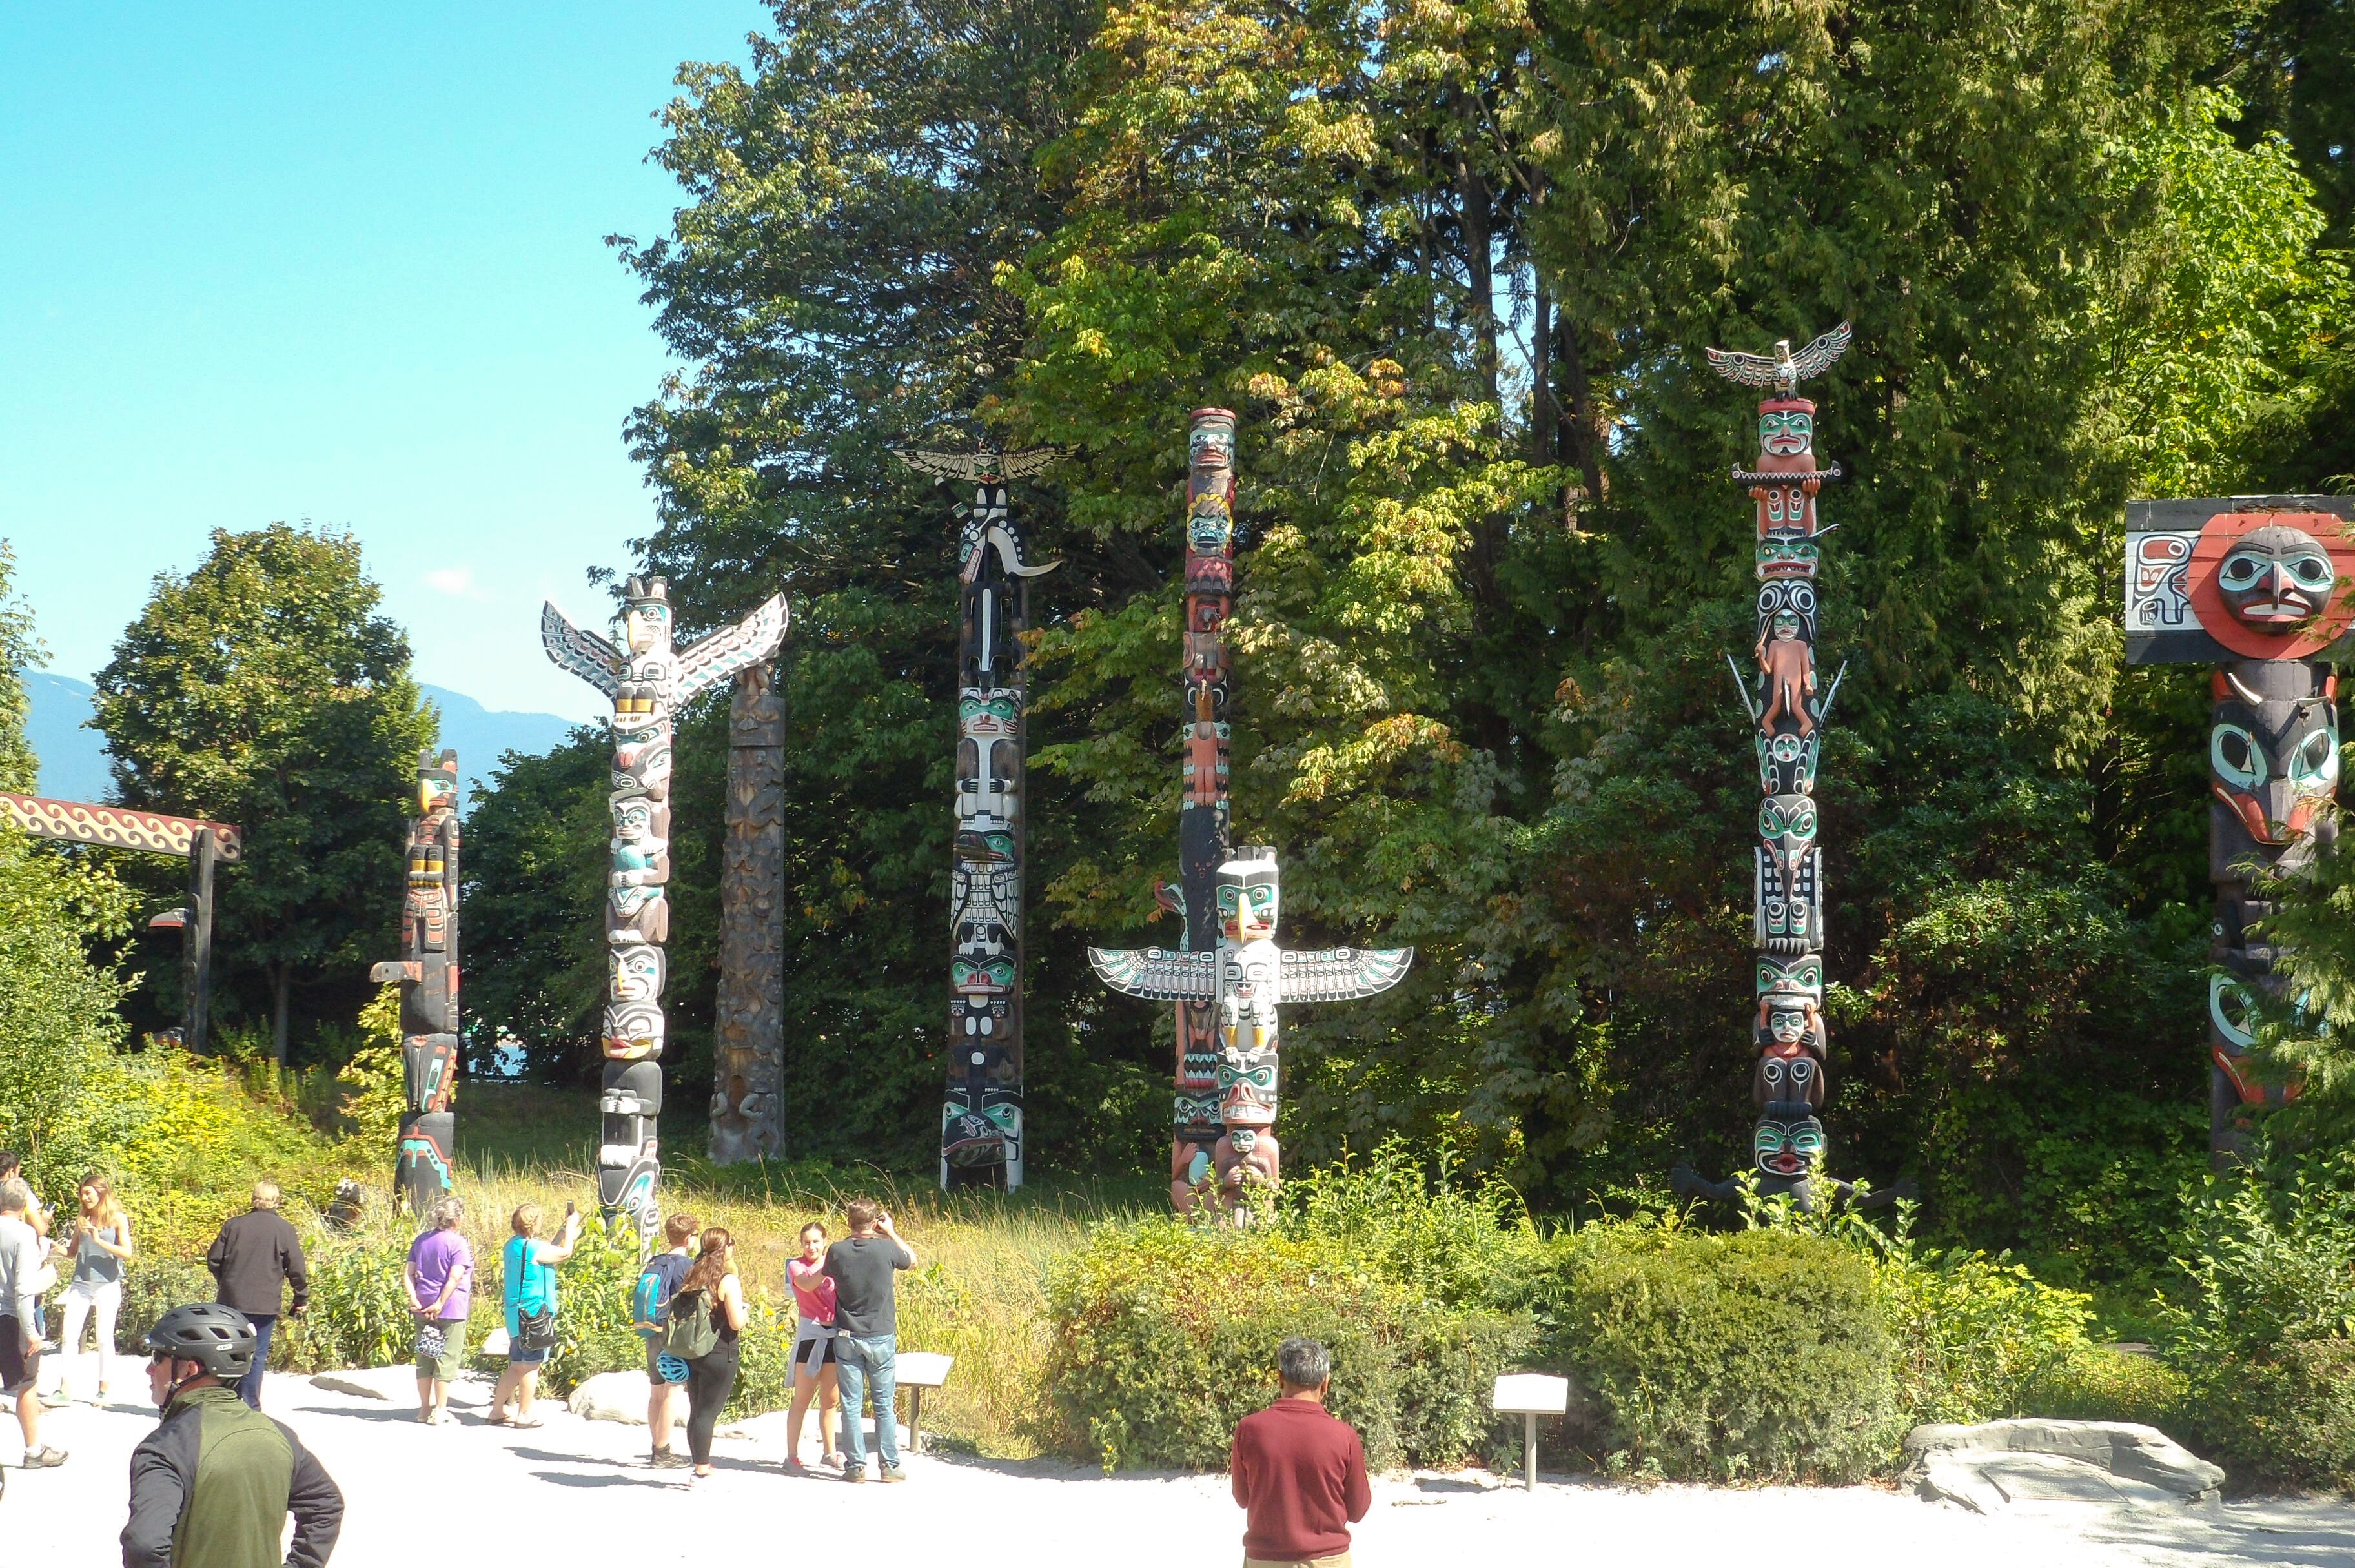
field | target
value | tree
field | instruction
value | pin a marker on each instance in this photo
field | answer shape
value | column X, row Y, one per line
column 263, row 689
column 58, row 1008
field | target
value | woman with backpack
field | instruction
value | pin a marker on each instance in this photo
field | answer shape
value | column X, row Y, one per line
column 707, row 1315
column 813, row 1350
column 528, row 1292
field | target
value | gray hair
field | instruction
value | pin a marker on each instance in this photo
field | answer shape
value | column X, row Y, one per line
column 1303, row 1363
column 446, row 1212
column 16, row 1198
column 265, row 1194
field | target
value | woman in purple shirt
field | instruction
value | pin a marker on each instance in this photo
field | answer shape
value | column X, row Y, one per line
column 441, row 1288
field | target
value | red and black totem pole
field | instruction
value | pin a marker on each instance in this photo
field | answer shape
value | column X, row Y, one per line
column 427, row 973
column 1787, row 712
column 2251, row 585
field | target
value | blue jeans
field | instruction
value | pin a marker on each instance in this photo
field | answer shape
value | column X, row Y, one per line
column 249, row 1387
column 859, row 1365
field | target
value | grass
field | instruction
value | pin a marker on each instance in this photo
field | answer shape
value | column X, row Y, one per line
column 979, row 1294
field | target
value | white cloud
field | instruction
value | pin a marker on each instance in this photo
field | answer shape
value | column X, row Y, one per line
column 458, row 582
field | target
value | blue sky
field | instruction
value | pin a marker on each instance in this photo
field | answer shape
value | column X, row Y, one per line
column 334, row 263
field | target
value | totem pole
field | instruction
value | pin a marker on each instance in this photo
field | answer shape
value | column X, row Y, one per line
column 1227, row 974
column 747, row 1025
column 981, row 1121
column 1787, row 1080
column 649, row 682
column 2251, row 584
column 427, row 973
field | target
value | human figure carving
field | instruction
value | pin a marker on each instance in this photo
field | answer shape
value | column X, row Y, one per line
column 1790, row 667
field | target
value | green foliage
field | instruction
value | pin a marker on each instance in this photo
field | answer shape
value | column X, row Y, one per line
column 2269, row 1258
column 1757, row 1356
column 264, row 689
column 2099, row 1383
column 1165, row 1335
column 19, row 769
column 359, row 1314
column 2285, row 1420
column 1975, row 1338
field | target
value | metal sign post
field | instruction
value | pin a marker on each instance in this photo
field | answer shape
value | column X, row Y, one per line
column 1529, row 1395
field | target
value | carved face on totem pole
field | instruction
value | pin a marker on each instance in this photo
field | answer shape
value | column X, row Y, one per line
column 1788, row 1144
column 1787, row 427
column 1210, row 525
column 635, row 973
column 645, row 616
column 437, row 783
column 2275, row 579
column 634, row 1030
column 2272, row 764
column 1212, row 445
column 1247, row 1086
column 1248, row 899
column 641, row 764
column 1788, row 1024
column 984, row 999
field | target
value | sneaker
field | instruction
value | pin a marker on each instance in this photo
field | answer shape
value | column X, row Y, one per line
column 854, row 1476
column 47, row 1459
column 668, row 1459
column 893, row 1473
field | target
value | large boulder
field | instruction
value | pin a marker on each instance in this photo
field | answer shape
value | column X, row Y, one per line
column 1998, row 1463
column 611, row 1396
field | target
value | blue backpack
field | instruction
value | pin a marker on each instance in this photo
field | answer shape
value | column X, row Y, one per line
column 650, row 1298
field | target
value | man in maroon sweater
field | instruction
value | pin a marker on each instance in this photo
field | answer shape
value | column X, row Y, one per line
column 1299, row 1473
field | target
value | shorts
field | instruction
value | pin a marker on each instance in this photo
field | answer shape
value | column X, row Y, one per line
column 528, row 1358
column 19, row 1371
column 662, row 1368
column 812, row 1349
column 446, row 1364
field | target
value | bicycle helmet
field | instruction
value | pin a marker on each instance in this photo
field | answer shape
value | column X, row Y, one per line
column 218, row 1338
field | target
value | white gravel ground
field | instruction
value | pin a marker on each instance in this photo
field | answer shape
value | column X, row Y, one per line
column 577, row 1493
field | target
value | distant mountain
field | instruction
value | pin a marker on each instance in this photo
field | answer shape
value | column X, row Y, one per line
column 73, row 759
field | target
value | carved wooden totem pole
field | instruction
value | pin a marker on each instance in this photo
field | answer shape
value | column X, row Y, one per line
column 2251, row 585
column 1227, row 974
column 649, row 682
column 427, row 973
column 748, row 1110
column 1787, row 713
column 981, row 1121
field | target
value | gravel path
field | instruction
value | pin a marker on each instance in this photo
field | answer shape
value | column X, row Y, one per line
column 577, row 1493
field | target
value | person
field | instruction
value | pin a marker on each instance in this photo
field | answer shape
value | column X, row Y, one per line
column 12, row 1168
column 866, row 1333
column 212, row 1485
column 666, row 1374
column 1299, row 1472
column 100, row 1246
column 709, row 1294
column 256, row 1257
column 813, row 1299
column 23, row 1257
column 440, row 1280
column 528, row 1294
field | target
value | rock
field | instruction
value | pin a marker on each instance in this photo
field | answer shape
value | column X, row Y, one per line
column 1990, row 1467
column 611, row 1396
column 397, row 1384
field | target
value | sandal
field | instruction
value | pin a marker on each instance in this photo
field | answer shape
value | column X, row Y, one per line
column 501, row 1419
column 520, row 1424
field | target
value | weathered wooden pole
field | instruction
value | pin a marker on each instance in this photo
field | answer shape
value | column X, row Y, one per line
column 748, row 1120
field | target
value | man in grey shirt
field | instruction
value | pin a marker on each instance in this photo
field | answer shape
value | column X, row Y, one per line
column 22, row 1255
column 866, row 1332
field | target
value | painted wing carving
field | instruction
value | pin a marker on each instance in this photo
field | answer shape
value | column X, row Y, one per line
column 584, row 654
column 1343, row 974
column 714, row 658
column 1817, row 356
column 1750, row 370
column 1158, row 975
column 975, row 467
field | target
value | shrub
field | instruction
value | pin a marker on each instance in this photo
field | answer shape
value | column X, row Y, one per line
column 1756, row 1356
column 2097, row 1383
column 358, row 1314
column 1971, row 1336
column 2282, row 1419
column 1165, row 1337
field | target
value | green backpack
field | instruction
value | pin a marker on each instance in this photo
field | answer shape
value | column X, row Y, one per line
column 693, row 1332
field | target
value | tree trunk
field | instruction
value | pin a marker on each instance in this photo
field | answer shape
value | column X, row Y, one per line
column 748, row 1030
column 281, row 982
column 1578, row 438
column 1544, row 414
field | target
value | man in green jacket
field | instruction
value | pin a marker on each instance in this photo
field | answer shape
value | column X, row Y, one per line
column 212, row 1485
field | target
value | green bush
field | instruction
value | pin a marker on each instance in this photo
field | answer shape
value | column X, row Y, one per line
column 2099, row 1383
column 1165, row 1337
column 358, row 1314
column 2282, row 1419
column 1972, row 1336
column 1757, row 1356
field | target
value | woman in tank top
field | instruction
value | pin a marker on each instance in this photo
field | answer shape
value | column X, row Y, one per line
column 100, row 1245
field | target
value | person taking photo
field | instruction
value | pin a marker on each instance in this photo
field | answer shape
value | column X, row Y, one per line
column 528, row 1291
column 866, row 1333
